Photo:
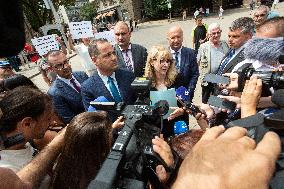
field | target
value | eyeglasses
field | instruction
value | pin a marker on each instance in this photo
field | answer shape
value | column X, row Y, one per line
column 259, row 15
column 162, row 61
column 62, row 65
column 216, row 33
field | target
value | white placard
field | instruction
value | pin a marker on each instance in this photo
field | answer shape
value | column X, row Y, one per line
column 108, row 35
column 81, row 29
column 45, row 44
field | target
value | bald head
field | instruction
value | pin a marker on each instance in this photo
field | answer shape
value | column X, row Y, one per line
column 122, row 34
column 175, row 37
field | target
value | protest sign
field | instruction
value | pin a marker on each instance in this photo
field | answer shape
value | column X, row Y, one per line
column 81, row 29
column 108, row 35
column 45, row 44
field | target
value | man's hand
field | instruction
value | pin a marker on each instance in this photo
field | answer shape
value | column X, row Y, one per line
column 233, row 81
column 229, row 160
column 161, row 147
column 177, row 112
column 119, row 122
column 250, row 97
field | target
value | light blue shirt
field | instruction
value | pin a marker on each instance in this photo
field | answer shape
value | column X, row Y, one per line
column 105, row 80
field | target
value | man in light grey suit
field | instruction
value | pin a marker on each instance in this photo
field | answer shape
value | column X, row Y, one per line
column 130, row 56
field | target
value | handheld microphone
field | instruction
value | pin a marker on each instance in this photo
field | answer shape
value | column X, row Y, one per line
column 95, row 102
column 182, row 93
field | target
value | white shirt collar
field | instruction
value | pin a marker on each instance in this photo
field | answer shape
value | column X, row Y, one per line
column 129, row 48
column 105, row 78
column 173, row 51
column 64, row 79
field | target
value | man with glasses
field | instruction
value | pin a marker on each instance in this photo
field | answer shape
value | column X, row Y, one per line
column 5, row 69
column 66, row 89
column 109, row 81
column 130, row 56
column 185, row 59
column 209, row 57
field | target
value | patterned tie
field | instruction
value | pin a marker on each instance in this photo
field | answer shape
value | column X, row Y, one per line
column 114, row 90
column 176, row 58
column 75, row 85
column 128, row 61
column 225, row 62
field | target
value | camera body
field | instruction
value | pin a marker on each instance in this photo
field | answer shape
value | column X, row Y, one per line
column 132, row 161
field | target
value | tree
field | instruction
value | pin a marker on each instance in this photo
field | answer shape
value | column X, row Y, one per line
column 88, row 11
column 156, row 8
column 37, row 14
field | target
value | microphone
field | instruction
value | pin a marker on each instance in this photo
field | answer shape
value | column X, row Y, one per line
column 91, row 108
column 182, row 93
column 271, row 49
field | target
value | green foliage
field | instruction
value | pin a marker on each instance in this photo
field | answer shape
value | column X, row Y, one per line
column 36, row 13
column 88, row 11
column 156, row 8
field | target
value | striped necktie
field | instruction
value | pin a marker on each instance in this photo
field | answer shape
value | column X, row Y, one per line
column 127, row 60
column 225, row 62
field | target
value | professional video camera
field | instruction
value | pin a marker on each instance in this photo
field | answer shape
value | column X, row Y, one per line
column 270, row 79
column 264, row 121
column 132, row 161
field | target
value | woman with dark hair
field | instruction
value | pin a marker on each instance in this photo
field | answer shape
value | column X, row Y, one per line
column 26, row 113
column 88, row 141
column 87, row 144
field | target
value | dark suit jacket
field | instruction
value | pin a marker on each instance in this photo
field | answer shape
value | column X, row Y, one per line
column 233, row 62
column 94, row 87
column 189, row 71
column 139, row 55
column 66, row 100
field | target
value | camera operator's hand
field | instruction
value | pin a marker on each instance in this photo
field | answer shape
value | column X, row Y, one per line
column 250, row 96
column 233, row 81
column 161, row 147
column 235, row 99
column 119, row 122
column 177, row 112
column 229, row 160
column 207, row 114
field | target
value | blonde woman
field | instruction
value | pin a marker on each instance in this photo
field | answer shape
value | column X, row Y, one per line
column 160, row 67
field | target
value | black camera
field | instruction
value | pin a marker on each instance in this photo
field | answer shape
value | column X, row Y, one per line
column 269, row 79
column 132, row 161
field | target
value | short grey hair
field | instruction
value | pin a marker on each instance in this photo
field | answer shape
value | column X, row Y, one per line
column 262, row 8
column 245, row 24
column 213, row 26
column 93, row 47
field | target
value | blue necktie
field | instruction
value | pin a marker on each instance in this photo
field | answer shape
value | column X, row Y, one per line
column 114, row 90
column 225, row 62
column 176, row 58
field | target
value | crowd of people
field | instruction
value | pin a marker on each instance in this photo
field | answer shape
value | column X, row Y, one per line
column 59, row 140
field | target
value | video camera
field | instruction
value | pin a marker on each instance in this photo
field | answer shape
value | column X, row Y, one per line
column 268, row 120
column 132, row 161
column 270, row 79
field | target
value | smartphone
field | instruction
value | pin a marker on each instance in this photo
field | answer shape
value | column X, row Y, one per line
column 221, row 103
column 218, row 79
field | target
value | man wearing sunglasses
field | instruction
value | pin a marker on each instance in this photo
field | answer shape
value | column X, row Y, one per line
column 5, row 70
column 66, row 89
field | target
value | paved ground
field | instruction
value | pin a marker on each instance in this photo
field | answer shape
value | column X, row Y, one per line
column 152, row 33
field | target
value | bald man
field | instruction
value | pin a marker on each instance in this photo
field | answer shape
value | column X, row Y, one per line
column 130, row 56
column 185, row 59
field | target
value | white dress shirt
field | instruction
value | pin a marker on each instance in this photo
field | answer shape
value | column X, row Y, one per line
column 67, row 81
column 129, row 53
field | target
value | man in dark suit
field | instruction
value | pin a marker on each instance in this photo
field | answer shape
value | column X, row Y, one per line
column 66, row 89
column 240, row 31
column 185, row 59
column 109, row 81
column 129, row 55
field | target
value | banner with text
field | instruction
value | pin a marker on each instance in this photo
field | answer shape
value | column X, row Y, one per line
column 81, row 29
column 108, row 35
column 45, row 44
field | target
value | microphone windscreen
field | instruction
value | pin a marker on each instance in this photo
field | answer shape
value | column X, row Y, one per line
column 278, row 97
column 182, row 93
column 99, row 99
column 264, row 49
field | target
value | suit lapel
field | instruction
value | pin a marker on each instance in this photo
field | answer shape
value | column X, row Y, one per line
column 238, row 58
column 67, row 90
column 119, row 56
column 182, row 59
column 101, row 88
column 120, row 84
